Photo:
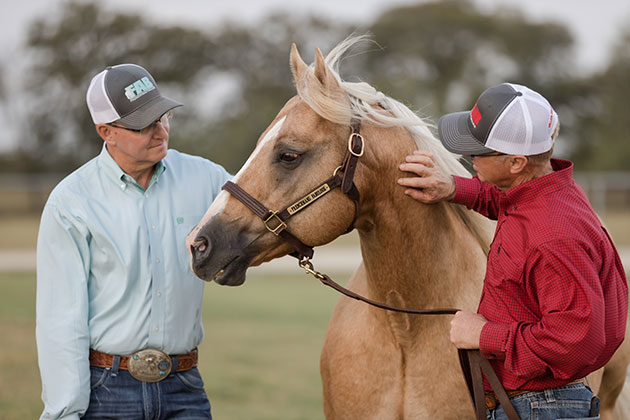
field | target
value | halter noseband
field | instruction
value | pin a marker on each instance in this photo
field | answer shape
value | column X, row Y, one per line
column 276, row 221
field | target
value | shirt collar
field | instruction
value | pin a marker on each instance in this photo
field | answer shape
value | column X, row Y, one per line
column 111, row 168
column 561, row 177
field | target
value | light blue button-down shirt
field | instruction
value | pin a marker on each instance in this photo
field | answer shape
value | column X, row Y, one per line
column 113, row 271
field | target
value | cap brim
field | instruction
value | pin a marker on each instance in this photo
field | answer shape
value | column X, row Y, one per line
column 456, row 137
column 148, row 113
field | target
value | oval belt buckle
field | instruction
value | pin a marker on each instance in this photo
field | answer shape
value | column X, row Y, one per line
column 149, row 365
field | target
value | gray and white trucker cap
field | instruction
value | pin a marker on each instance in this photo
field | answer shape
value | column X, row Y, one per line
column 128, row 95
column 507, row 118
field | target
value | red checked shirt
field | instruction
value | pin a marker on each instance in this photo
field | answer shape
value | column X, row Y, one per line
column 555, row 293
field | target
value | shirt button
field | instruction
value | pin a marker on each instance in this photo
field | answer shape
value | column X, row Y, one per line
column 146, row 195
column 505, row 213
column 153, row 227
column 159, row 294
column 157, row 260
column 157, row 329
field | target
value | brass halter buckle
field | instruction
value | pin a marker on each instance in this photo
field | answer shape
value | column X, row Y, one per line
column 277, row 229
column 350, row 144
column 150, row 365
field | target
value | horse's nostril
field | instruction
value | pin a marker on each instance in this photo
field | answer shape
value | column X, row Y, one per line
column 200, row 245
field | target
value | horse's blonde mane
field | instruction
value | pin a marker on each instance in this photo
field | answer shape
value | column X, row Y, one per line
column 364, row 102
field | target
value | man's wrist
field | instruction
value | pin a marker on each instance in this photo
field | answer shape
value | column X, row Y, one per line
column 452, row 190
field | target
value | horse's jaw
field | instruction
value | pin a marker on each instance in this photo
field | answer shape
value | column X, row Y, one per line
column 232, row 274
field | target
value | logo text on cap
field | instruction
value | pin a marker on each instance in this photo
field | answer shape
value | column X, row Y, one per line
column 138, row 88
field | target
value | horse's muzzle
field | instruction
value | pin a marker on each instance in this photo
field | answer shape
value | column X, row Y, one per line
column 217, row 256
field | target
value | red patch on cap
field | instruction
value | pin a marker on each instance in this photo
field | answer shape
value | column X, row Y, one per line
column 550, row 117
column 475, row 115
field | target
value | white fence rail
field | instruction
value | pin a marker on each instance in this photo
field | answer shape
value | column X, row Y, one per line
column 606, row 189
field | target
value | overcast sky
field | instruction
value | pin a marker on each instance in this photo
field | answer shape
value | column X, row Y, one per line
column 595, row 24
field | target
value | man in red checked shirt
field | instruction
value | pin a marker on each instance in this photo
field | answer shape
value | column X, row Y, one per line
column 555, row 297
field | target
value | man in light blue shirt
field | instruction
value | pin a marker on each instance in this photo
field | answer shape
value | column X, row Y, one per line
column 118, row 308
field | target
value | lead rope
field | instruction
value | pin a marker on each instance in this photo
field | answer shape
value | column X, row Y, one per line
column 306, row 264
column 471, row 361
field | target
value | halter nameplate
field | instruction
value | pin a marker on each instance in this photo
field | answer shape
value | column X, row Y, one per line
column 309, row 199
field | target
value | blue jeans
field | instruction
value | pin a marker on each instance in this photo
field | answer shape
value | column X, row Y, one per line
column 565, row 402
column 115, row 394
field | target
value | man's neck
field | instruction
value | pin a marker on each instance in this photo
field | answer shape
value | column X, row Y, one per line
column 141, row 176
column 141, row 172
column 532, row 172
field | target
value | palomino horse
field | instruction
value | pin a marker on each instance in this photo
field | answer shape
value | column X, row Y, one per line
column 375, row 364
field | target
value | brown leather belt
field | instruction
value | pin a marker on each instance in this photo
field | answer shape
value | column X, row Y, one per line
column 492, row 401
column 148, row 365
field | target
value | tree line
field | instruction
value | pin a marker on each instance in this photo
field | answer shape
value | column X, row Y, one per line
column 435, row 57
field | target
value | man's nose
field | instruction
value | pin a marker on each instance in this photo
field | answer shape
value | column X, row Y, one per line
column 160, row 129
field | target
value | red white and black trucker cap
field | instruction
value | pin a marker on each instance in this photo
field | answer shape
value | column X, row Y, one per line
column 507, row 118
column 128, row 95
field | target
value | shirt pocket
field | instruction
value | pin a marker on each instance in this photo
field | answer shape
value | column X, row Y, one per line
column 505, row 266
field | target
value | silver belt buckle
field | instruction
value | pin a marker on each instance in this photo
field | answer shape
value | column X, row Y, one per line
column 149, row 365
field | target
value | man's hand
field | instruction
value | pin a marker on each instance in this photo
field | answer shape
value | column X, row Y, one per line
column 431, row 185
column 466, row 329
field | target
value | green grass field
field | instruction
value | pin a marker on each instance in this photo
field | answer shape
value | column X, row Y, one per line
column 260, row 357
column 20, row 231
column 259, row 360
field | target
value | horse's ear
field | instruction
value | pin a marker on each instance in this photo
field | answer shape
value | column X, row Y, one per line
column 323, row 74
column 298, row 66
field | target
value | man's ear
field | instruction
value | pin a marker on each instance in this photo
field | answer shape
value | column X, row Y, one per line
column 517, row 164
column 106, row 133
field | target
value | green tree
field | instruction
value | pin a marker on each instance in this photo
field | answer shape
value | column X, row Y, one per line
column 436, row 57
column 66, row 52
column 440, row 56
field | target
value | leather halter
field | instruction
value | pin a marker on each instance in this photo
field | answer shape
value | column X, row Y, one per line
column 276, row 221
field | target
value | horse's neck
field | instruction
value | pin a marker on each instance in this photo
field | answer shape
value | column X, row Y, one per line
column 426, row 258
column 419, row 255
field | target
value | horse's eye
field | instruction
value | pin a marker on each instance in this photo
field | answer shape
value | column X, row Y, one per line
column 289, row 157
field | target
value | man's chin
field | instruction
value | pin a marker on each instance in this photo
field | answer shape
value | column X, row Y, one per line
column 160, row 150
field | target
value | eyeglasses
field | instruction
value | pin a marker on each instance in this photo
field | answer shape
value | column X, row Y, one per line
column 164, row 119
column 488, row 154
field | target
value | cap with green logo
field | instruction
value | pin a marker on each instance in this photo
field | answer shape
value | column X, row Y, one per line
column 128, row 95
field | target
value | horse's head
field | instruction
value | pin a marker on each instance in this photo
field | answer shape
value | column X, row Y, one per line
column 297, row 152
column 307, row 143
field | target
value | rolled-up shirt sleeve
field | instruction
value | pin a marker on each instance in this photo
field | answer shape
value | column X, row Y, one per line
column 62, row 314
